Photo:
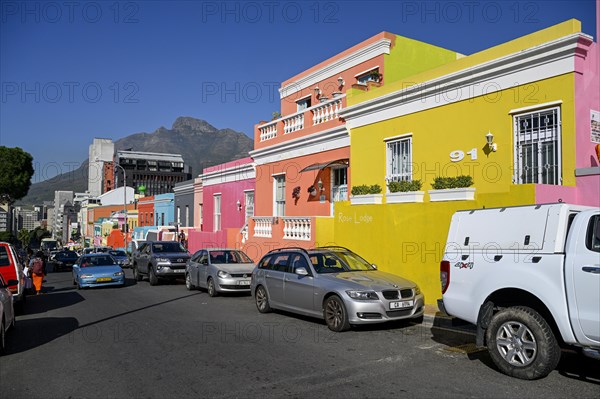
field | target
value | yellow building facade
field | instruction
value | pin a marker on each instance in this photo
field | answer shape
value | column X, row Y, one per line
column 437, row 123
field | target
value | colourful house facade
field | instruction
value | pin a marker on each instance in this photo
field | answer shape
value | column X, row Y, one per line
column 518, row 118
column 227, row 204
column 303, row 157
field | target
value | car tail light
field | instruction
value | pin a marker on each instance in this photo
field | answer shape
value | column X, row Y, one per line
column 445, row 275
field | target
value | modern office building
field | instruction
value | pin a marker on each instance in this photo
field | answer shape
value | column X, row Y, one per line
column 156, row 172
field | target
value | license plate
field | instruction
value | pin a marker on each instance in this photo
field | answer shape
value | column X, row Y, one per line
column 401, row 304
column 103, row 279
column 244, row 282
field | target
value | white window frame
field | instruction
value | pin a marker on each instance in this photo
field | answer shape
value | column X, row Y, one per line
column 281, row 202
column 217, row 212
column 394, row 148
column 249, row 205
column 536, row 139
column 187, row 216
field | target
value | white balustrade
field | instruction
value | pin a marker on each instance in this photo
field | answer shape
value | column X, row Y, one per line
column 327, row 111
column 263, row 226
column 293, row 123
column 268, row 131
column 296, row 228
column 340, row 193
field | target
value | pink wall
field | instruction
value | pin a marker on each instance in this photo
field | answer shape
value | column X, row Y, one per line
column 231, row 215
column 587, row 97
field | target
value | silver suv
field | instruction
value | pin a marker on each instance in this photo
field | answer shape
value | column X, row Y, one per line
column 160, row 259
column 334, row 284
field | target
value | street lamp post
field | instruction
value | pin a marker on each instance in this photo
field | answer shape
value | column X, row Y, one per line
column 125, row 227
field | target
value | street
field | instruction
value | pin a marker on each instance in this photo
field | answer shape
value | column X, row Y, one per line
column 150, row 342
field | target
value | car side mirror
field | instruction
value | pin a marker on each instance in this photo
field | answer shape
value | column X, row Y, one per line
column 205, row 261
column 301, row 271
column 374, row 266
column 12, row 282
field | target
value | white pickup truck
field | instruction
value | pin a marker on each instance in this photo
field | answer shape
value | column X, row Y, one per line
column 529, row 278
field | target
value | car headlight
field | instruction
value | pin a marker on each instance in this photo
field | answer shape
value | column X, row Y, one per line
column 417, row 290
column 86, row 276
column 362, row 295
column 223, row 274
column 118, row 274
column 166, row 260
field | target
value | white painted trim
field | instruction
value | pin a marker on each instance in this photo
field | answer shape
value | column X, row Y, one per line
column 534, row 107
column 278, row 174
column 537, row 63
column 304, row 98
column 336, row 67
column 366, row 71
column 325, row 140
column 248, row 191
column 402, row 136
column 229, row 175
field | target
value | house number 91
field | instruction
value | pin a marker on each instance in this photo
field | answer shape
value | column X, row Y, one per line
column 458, row 155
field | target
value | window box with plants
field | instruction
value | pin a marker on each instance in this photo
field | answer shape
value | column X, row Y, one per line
column 452, row 189
column 404, row 191
column 363, row 195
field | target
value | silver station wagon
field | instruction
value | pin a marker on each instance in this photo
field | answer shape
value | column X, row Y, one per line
column 335, row 284
column 219, row 270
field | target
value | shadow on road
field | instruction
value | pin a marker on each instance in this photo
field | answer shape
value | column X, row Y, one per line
column 31, row 333
column 50, row 301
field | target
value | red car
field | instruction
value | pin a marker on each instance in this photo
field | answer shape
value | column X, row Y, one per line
column 11, row 271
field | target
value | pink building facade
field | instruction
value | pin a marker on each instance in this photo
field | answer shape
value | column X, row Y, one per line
column 227, row 204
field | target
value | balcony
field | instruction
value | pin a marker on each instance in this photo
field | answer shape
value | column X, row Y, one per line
column 303, row 121
column 293, row 228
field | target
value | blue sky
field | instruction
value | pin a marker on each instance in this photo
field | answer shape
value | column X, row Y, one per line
column 72, row 71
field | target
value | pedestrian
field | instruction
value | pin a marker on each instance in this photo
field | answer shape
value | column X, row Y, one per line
column 36, row 268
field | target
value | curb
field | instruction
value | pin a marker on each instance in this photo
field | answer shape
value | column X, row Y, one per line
column 435, row 319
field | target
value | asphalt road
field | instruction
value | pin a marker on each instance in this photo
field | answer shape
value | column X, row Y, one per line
column 166, row 342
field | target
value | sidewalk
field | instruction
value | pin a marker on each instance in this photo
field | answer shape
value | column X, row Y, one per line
column 436, row 319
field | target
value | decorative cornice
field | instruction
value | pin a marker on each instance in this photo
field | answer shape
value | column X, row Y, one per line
column 325, row 140
column 236, row 173
column 532, row 64
column 338, row 66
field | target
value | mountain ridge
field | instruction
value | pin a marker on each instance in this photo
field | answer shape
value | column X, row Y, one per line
column 199, row 143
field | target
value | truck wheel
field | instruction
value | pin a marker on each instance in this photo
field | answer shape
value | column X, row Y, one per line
column 522, row 344
column 152, row 278
column 136, row 273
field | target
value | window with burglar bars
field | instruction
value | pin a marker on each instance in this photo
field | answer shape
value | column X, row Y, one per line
column 399, row 160
column 538, row 147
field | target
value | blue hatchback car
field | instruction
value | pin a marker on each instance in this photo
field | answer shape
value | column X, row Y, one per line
column 96, row 270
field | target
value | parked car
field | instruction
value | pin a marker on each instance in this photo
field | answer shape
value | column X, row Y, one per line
column 63, row 260
column 530, row 284
column 160, row 259
column 334, row 284
column 7, row 312
column 120, row 256
column 11, row 269
column 95, row 270
column 219, row 270
column 133, row 247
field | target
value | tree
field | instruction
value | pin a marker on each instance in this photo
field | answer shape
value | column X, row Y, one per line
column 25, row 237
column 16, row 169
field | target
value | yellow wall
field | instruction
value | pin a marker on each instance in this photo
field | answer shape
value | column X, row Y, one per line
column 535, row 39
column 462, row 126
column 408, row 239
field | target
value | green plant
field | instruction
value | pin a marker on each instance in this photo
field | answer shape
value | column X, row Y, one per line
column 276, row 115
column 440, row 183
column 404, row 186
column 363, row 189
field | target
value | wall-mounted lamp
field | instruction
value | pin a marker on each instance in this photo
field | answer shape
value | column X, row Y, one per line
column 239, row 205
column 317, row 91
column 341, row 81
column 490, row 141
column 320, row 184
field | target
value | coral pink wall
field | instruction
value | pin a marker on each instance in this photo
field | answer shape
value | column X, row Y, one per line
column 305, row 205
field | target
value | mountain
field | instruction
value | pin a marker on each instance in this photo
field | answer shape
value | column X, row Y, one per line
column 200, row 144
